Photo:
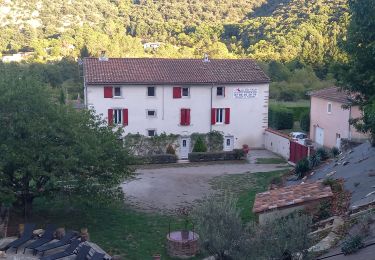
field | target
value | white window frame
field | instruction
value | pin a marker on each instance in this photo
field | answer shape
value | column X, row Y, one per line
column 116, row 112
column 222, row 93
column 149, row 116
column 154, row 91
column 329, row 108
column 114, row 92
column 148, row 132
column 182, row 92
column 220, row 116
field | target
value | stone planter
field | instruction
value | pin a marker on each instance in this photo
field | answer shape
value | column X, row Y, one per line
column 182, row 247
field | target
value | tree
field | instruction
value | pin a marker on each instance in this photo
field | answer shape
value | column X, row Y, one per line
column 199, row 146
column 48, row 148
column 358, row 75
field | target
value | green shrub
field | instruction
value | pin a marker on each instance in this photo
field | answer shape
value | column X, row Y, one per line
column 304, row 122
column 333, row 183
column 302, row 167
column 324, row 211
column 322, row 153
column 352, row 244
column 170, row 150
column 335, row 152
column 236, row 154
column 155, row 159
column 280, row 117
column 314, row 160
column 200, row 146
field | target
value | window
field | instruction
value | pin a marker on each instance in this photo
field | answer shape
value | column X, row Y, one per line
column 117, row 92
column 151, row 91
column 329, row 108
column 228, row 141
column 151, row 113
column 220, row 115
column 117, row 116
column 185, row 92
column 151, row 132
column 220, row 91
column 185, row 116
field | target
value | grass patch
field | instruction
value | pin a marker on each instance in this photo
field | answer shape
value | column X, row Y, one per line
column 245, row 187
column 117, row 229
column 270, row 161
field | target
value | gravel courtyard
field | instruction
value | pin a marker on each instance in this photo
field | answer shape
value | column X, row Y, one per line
column 167, row 188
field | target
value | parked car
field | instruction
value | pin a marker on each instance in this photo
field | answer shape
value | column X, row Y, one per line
column 299, row 137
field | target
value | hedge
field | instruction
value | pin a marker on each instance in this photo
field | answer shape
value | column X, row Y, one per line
column 236, row 154
column 280, row 117
column 305, row 122
column 156, row 159
column 298, row 112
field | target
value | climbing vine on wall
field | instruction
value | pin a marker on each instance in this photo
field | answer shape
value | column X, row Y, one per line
column 141, row 145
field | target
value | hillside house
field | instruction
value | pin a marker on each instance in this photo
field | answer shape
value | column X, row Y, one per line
column 181, row 96
column 329, row 122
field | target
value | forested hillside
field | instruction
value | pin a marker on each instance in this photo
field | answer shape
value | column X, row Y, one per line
column 282, row 30
column 298, row 40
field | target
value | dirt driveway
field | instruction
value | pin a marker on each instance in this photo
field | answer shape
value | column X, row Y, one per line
column 165, row 189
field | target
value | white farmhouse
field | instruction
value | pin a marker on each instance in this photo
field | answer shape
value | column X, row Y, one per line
column 181, row 96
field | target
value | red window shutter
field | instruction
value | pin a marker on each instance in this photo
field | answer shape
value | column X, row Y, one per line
column 224, row 91
column 213, row 116
column 187, row 116
column 227, row 115
column 110, row 116
column 108, row 92
column 183, row 117
column 125, row 115
column 176, row 92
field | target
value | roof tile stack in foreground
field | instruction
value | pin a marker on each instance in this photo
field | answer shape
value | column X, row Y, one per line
column 139, row 71
column 291, row 196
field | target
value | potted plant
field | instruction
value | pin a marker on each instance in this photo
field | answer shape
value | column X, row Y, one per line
column 184, row 212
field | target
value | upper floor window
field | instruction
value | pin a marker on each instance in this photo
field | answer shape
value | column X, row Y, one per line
column 329, row 108
column 220, row 91
column 151, row 91
column 118, row 116
column 185, row 91
column 117, row 92
column 220, row 116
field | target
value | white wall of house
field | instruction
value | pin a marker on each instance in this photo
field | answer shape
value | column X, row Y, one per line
column 248, row 116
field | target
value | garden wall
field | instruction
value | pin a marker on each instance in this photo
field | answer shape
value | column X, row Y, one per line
column 277, row 142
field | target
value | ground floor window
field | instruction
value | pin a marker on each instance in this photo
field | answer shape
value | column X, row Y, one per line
column 151, row 132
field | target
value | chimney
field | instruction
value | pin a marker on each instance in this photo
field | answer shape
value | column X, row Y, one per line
column 205, row 58
column 103, row 57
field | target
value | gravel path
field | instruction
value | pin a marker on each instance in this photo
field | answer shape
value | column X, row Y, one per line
column 168, row 188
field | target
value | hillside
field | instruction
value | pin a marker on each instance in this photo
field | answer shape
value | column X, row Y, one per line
column 284, row 30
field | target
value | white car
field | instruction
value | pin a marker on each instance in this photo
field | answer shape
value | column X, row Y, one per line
column 299, row 137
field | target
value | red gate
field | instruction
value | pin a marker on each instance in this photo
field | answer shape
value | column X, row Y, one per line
column 297, row 152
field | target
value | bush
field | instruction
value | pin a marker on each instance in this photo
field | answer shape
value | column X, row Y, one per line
column 219, row 226
column 170, row 150
column 302, row 167
column 236, row 154
column 334, row 184
column 335, row 152
column 322, row 153
column 304, row 122
column 280, row 117
column 200, row 146
column 314, row 160
column 155, row 159
column 352, row 245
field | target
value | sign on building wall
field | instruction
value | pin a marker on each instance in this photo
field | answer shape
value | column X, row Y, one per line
column 244, row 93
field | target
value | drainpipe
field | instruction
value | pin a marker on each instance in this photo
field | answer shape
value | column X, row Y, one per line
column 212, row 86
column 350, row 117
column 162, row 117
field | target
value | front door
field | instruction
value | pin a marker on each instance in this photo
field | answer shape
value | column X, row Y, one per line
column 184, row 147
column 228, row 143
column 319, row 136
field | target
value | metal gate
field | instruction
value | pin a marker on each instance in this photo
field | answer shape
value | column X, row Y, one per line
column 297, row 152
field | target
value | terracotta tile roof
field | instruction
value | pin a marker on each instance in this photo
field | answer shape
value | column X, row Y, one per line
column 333, row 94
column 172, row 71
column 290, row 196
